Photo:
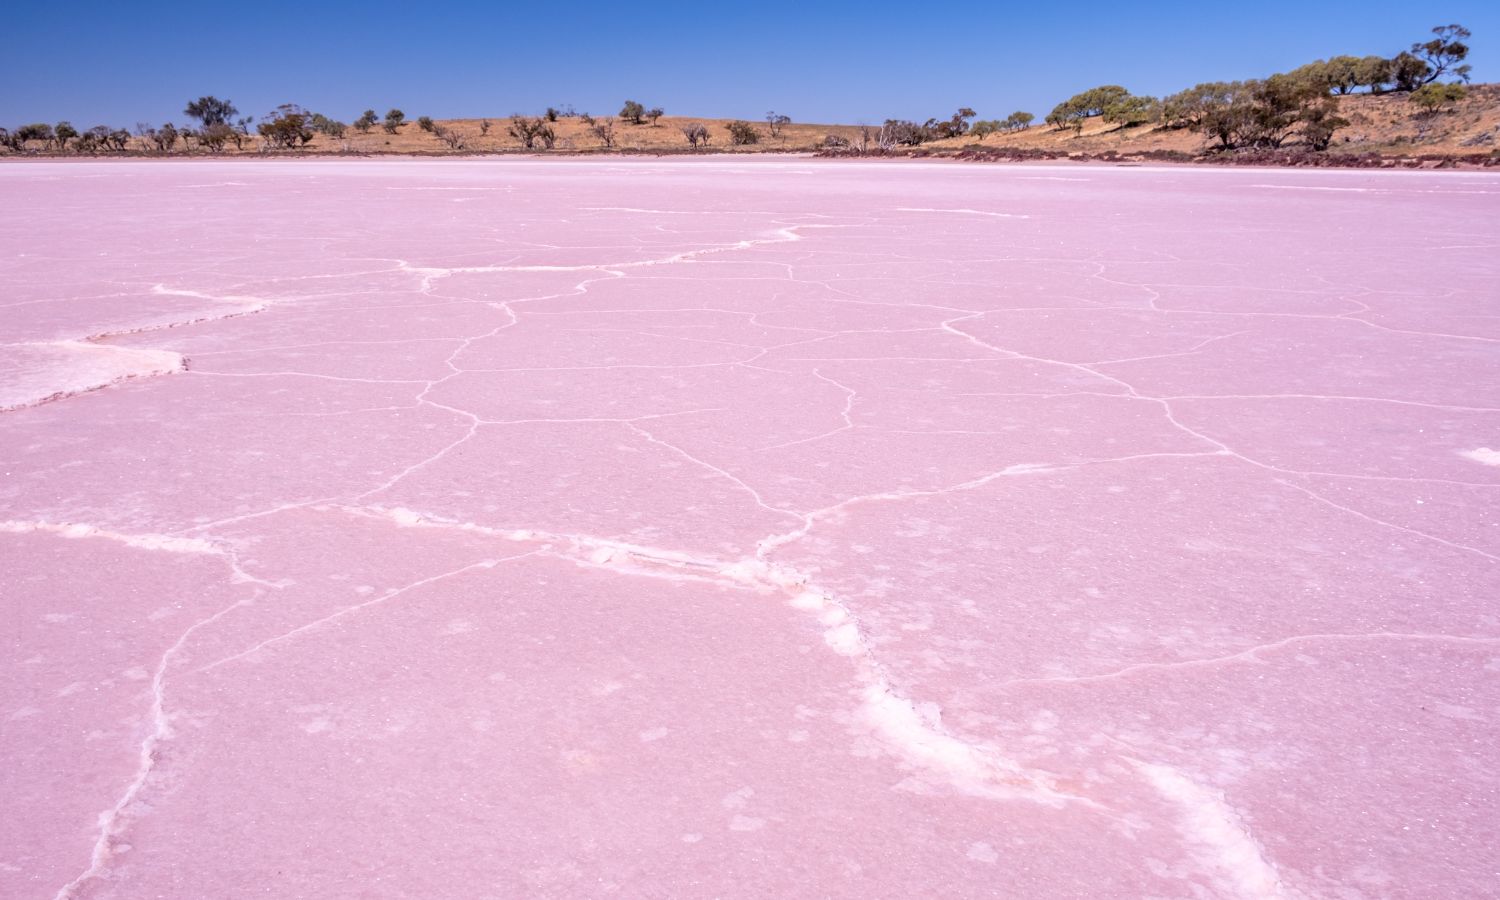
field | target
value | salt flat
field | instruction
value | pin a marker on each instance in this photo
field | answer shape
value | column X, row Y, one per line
column 747, row 528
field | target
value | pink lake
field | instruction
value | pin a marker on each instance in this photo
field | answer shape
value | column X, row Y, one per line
column 748, row 528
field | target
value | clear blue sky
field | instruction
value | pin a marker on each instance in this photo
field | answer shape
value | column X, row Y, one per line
column 125, row 62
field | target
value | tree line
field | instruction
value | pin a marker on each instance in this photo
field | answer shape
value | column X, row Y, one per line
column 1257, row 113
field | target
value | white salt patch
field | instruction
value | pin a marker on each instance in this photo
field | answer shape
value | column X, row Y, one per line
column 808, row 600
column 982, row 852
column 1225, row 846
column 1483, row 455
column 920, row 742
column 691, row 838
column 36, row 372
column 139, row 541
column 738, row 799
column 655, row 734
column 964, row 211
column 746, row 823
column 404, row 517
column 317, row 725
column 843, row 639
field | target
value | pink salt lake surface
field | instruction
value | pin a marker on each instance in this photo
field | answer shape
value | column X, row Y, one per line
column 747, row 528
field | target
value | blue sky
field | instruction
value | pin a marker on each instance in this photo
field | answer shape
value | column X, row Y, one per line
column 120, row 63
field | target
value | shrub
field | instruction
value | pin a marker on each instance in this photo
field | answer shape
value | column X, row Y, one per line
column 525, row 130
column 835, row 142
column 330, row 127
column 632, row 112
column 696, row 134
column 214, row 137
column 654, row 113
column 550, row 115
column 604, row 130
column 484, row 126
column 742, row 133
column 456, row 140
column 366, row 121
column 1431, row 98
column 425, row 123
column 394, row 119
column 776, row 122
column 902, row 132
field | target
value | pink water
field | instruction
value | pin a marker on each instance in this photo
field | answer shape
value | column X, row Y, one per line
column 748, row 528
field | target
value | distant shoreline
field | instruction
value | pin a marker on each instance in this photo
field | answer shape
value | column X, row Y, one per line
column 1371, row 161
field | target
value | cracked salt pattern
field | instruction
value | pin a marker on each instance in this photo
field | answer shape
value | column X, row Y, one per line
column 727, row 528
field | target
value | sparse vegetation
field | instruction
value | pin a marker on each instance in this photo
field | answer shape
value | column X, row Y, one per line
column 604, row 130
column 526, row 130
column 394, row 119
column 425, row 123
column 696, row 134
column 633, row 112
column 776, row 122
column 654, row 113
column 452, row 137
column 366, row 121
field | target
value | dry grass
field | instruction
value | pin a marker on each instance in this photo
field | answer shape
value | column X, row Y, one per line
column 574, row 135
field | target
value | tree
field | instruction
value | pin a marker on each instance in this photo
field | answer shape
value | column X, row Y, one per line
column 1320, row 120
column 654, row 113
column 1409, row 72
column 956, row 126
column 211, row 110
column 1111, row 102
column 1374, row 72
column 1019, row 121
column 696, row 134
column 632, row 112
column 551, row 114
column 742, row 134
column 64, row 131
column 394, row 119
column 36, row 132
column 425, row 123
column 1444, row 53
column 984, row 128
column 366, row 121
column 1343, row 74
column 287, row 127
column 776, row 122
